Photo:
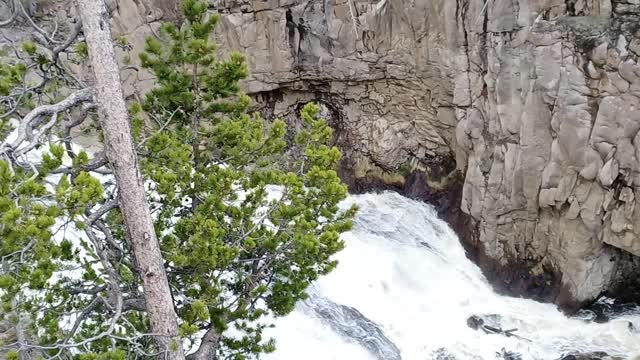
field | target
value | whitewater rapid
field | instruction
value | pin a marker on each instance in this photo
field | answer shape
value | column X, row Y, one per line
column 404, row 289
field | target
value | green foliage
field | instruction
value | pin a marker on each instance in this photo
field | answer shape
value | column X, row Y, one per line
column 121, row 41
column 11, row 76
column 405, row 169
column 237, row 252
column 246, row 221
column 82, row 49
column 25, row 229
column 29, row 47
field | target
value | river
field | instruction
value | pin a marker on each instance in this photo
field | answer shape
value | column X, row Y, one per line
column 404, row 289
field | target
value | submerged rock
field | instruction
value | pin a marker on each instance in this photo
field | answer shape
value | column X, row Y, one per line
column 475, row 322
column 481, row 321
column 442, row 354
column 491, row 324
column 598, row 355
column 605, row 309
column 508, row 355
column 352, row 324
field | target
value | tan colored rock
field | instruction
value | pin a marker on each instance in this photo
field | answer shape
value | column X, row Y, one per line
column 574, row 210
column 634, row 46
column 593, row 72
column 541, row 125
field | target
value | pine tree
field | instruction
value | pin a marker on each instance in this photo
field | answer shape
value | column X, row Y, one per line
column 245, row 220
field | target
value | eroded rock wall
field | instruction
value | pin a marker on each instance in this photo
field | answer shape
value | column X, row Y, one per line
column 551, row 134
column 389, row 87
column 518, row 119
column 538, row 102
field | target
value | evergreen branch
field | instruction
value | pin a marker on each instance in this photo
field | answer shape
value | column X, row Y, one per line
column 94, row 165
column 162, row 127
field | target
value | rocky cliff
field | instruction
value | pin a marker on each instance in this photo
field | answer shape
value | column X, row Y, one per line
column 518, row 119
column 535, row 103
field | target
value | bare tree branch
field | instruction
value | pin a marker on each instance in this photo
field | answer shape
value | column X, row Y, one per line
column 69, row 126
column 70, row 40
column 26, row 125
column 137, row 304
column 14, row 14
column 35, row 26
column 108, row 206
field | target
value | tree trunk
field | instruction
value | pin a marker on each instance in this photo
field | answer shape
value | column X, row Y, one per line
column 208, row 346
column 120, row 151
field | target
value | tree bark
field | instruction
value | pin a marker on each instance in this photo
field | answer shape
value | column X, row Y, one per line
column 208, row 346
column 120, row 151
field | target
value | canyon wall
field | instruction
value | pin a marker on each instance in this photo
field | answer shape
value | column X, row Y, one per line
column 518, row 119
column 535, row 103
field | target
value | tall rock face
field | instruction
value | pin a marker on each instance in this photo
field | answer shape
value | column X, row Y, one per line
column 535, row 102
column 518, row 119
column 551, row 138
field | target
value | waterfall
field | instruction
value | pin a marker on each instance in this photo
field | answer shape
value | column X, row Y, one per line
column 404, row 289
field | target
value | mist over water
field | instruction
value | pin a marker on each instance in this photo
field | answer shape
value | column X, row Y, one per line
column 404, row 289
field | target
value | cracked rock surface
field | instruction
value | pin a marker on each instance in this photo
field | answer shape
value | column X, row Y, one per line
column 538, row 102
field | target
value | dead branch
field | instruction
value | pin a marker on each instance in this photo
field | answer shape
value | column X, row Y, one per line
column 25, row 129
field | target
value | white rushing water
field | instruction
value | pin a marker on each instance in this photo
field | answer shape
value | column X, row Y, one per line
column 404, row 290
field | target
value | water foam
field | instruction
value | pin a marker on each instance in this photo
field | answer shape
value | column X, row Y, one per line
column 404, row 282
